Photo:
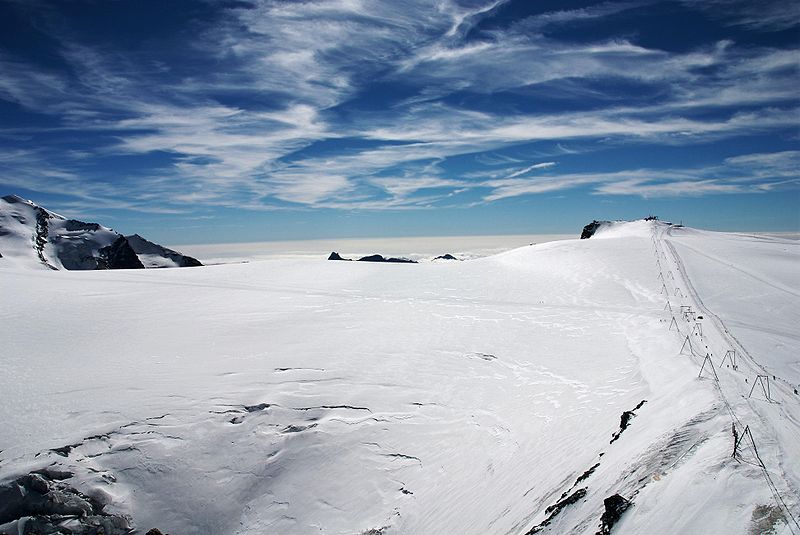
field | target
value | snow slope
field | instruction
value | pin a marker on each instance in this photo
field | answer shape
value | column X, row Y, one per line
column 753, row 282
column 301, row 396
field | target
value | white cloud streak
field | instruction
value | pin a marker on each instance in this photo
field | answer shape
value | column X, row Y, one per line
column 751, row 173
column 765, row 15
column 311, row 59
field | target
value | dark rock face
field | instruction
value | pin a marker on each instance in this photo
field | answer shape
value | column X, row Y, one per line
column 143, row 246
column 590, row 229
column 73, row 225
column 615, row 505
column 335, row 256
column 553, row 510
column 569, row 500
column 379, row 258
column 40, row 239
column 625, row 420
column 118, row 255
column 447, row 256
column 37, row 504
column 586, row 474
column 372, row 258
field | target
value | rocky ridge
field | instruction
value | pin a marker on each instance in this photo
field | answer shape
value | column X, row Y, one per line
column 34, row 237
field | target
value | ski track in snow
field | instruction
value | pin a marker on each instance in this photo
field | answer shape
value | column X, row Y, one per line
column 775, row 449
column 299, row 396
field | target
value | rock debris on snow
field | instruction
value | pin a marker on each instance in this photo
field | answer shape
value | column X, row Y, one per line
column 614, row 506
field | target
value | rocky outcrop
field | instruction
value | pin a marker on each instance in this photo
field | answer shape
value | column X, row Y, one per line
column 447, row 256
column 591, row 228
column 379, row 258
column 155, row 255
column 614, row 507
column 373, row 258
column 73, row 225
column 553, row 510
column 35, row 503
column 625, row 420
column 119, row 255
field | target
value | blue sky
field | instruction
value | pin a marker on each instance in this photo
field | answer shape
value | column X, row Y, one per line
column 215, row 121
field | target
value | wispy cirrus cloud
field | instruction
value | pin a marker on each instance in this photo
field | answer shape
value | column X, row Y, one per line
column 543, row 165
column 747, row 173
column 675, row 188
column 767, row 15
column 403, row 90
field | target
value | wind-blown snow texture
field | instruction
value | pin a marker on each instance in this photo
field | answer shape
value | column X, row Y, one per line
column 33, row 237
column 302, row 396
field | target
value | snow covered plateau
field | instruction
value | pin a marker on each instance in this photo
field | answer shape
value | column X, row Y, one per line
column 642, row 381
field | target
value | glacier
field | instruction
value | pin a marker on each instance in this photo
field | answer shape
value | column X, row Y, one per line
column 300, row 396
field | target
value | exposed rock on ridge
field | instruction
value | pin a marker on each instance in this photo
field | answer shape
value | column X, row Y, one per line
column 373, row 258
column 119, row 255
column 591, row 228
column 614, row 507
column 153, row 255
column 379, row 258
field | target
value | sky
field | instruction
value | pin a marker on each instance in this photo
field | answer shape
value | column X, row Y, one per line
column 233, row 121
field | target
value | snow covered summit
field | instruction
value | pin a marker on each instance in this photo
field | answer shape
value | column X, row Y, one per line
column 34, row 237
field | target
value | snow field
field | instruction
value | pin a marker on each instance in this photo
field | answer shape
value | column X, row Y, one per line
column 303, row 396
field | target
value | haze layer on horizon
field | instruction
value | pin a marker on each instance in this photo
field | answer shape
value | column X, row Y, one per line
column 412, row 247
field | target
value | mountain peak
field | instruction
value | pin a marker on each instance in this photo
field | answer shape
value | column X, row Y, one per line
column 33, row 237
column 13, row 199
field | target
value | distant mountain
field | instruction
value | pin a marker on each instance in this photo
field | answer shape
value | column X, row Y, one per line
column 34, row 237
column 373, row 258
column 381, row 258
